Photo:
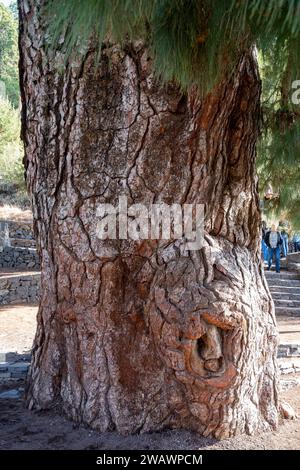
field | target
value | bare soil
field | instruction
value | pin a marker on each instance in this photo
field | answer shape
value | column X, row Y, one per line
column 289, row 329
column 17, row 328
column 24, row 429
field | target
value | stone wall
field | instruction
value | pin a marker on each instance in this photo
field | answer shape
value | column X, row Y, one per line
column 15, row 288
column 4, row 234
column 288, row 350
column 25, row 242
column 19, row 257
column 20, row 229
column 293, row 261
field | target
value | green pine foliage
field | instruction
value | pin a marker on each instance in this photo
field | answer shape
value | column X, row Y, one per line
column 192, row 41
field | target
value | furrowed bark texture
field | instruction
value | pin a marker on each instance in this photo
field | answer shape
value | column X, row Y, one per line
column 139, row 335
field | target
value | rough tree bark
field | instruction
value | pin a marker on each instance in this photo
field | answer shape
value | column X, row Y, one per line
column 136, row 335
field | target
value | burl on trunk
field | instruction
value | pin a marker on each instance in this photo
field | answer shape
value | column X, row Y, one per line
column 138, row 335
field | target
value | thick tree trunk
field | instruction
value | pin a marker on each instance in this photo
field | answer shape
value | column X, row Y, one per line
column 138, row 335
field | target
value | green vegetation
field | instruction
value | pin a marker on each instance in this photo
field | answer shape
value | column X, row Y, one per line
column 10, row 145
column 13, row 6
column 9, row 54
column 279, row 146
column 192, row 41
column 12, row 184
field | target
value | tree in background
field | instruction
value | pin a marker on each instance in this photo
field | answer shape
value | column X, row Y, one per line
column 279, row 146
column 11, row 167
column 9, row 124
column 13, row 6
column 158, row 101
column 9, row 54
column 12, row 183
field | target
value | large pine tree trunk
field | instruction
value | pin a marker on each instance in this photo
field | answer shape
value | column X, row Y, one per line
column 138, row 335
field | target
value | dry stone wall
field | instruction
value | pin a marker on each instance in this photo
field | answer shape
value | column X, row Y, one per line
column 19, row 288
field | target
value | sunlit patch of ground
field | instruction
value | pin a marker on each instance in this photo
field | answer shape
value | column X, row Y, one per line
column 17, row 327
column 10, row 212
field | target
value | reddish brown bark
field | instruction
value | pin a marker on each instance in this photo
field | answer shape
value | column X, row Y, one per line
column 135, row 335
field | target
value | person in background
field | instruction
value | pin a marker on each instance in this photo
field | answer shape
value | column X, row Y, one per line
column 285, row 242
column 264, row 247
column 273, row 241
column 296, row 241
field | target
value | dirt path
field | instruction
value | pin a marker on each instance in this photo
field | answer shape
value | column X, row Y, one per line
column 289, row 329
column 17, row 327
